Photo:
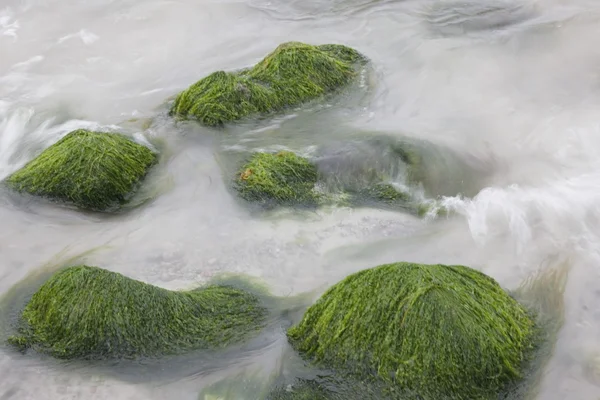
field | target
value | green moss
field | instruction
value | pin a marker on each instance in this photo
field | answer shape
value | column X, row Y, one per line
column 88, row 312
column 438, row 331
column 385, row 193
column 343, row 53
column 92, row 170
column 292, row 74
column 281, row 178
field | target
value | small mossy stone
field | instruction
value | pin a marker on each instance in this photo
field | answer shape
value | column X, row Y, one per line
column 91, row 313
column 292, row 74
column 281, row 178
column 385, row 193
column 92, row 170
column 436, row 331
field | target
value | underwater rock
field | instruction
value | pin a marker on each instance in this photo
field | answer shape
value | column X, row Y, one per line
column 92, row 170
column 91, row 313
column 282, row 178
column 292, row 74
column 430, row 331
column 385, row 194
column 411, row 165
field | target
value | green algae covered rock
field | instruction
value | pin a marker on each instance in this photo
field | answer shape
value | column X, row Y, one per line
column 292, row 74
column 430, row 331
column 91, row 313
column 281, row 178
column 91, row 170
column 384, row 194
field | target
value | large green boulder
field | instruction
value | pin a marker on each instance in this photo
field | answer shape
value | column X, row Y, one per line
column 283, row 178
column 91, row 313
column 92, row 170
column 292, row 74
column 429, row 331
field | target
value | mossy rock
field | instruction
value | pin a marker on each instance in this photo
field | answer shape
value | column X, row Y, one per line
column 91, row 313
column 292, row 74
column 431, row 331
column 370, row 159
column 355, row 165
column 92, row 170
column 282, row 178
column 385, row 194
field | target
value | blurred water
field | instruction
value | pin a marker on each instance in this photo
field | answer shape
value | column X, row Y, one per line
column 512, row 84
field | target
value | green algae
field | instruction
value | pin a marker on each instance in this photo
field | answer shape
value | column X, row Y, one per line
column 391, row 197
column 91, row 313
column 344, row 53
column 384, row 193
column 281, row 178
column 430, row 331
column 92, row 170
column 387, row 193
column 292, row 74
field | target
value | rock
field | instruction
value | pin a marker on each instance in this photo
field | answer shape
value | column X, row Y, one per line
column 92, row 170
column 292, row 74
column 429, row 331
column 370, row 159
column 384, row 193
column 91, row 313
column 273, row 179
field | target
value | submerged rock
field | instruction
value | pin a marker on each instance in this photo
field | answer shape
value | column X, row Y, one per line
column 385, row 194
column 409, row 164
column 427, row 331
column 380, row 171
column 281, row 178
column 91, row 170
column 91, row 313
column 292, row 74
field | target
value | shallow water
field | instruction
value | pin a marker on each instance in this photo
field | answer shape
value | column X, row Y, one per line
column 513, row 85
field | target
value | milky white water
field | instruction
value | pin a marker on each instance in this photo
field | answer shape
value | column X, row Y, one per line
column 513, row 84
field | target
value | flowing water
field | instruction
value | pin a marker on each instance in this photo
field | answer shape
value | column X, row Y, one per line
column 513, row 86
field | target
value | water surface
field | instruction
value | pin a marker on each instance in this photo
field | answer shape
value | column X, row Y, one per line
column 513, row 85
